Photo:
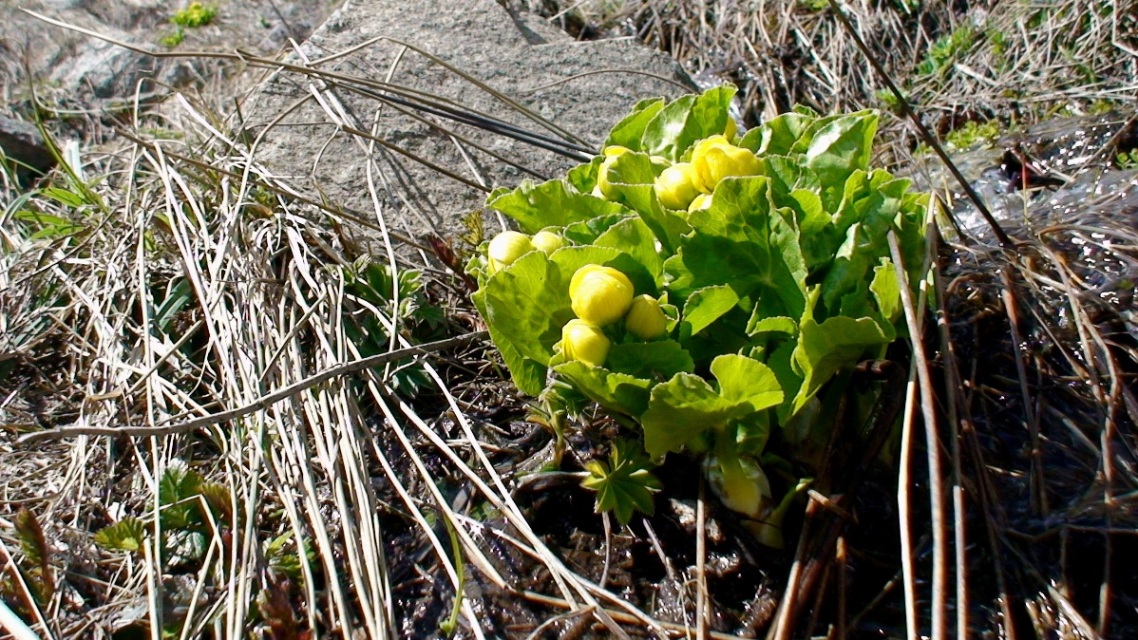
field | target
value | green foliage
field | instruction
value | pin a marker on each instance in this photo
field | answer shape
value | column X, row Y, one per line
column 946, row 50
column 193, row 16
column 127, row 534
column 35, row 566
column 779, row 286
column 374, row 297
column 173, row 38
column 287, row 557
column 1127, row 159
column 190, row 511
column 973, row 133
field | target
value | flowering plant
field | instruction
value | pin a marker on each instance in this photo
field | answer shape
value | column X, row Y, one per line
column 706, row 328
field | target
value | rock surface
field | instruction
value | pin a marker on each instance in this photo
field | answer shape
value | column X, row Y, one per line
column 73, row 70
column 584, row 87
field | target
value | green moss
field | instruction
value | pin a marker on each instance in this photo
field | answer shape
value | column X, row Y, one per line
column 173, row 39
column 972, row 134
column 195, row 15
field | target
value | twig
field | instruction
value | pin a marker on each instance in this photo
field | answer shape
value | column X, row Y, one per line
column 936, row 480
column 259, row 404
column 702, row 601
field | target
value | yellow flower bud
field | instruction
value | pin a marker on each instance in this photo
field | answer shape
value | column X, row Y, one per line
column 702, row 201
column 731, row 129
column 581, row 340
column 603, row 185
column 600, row 295
column 715, row 158
column 506, row 247
column 740, row 484
column 675, row 186
column 645, row 318
column 547, row 242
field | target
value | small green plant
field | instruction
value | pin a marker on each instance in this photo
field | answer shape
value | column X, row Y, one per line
column 704, row 289
column 946, row 50
column 173, row 38
column 888, row 100
column 189, row 509
column 370, row 288
column 193, row 16
column 624, row 483
column 1127, row 159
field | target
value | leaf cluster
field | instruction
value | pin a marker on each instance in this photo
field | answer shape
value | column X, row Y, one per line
column 781, row 283
column 190, row 511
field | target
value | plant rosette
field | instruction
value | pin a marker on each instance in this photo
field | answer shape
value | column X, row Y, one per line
column 771, row 282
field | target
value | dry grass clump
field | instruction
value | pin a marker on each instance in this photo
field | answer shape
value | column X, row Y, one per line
column 180, row 327
column 1016, row 62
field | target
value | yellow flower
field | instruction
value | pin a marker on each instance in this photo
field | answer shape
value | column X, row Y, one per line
column 600, row 295
column 603, row 185
column 675, row 186
column 702, row 201
column 645, row 318
column 584, row 341
column 547, row 242
column 715, row 158
column 506, row 247
column 731, row 129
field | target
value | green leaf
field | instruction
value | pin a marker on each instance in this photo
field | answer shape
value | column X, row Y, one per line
column 741, row 242
column 706, row 305
column 552, row 203
column 525, row 306
column 869, row 216
column 772, row 324
column 778, row 135
column 628, row 132
column 661, row 359
column 583, row 177
column 176, row 489
column 684, row 407
column 687, row 120
column 825, row 348
column 587, row 231
column 48, row 225
column 746, row 381
column 633, row 237
column 623, row 485
column 64, row 197
column 615, row 391
column 841, row 147
column 127, row 534
column 680, row 410
column 184, row 546
column 887, row 290
column 179, row 293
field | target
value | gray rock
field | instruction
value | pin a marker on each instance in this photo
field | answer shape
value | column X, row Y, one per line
column 583, row 87
column 74, row 70
column 21, row 142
